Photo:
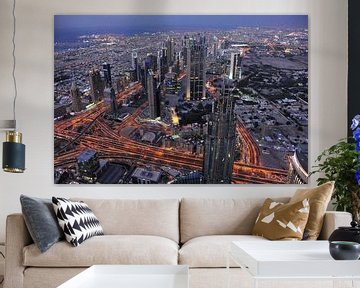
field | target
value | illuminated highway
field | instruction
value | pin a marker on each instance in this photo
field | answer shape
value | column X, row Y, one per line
column 249, row 151
column 111, row 144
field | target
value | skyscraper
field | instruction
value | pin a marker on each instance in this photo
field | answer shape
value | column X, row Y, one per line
column 195, row 70
column 110, row 100
column 220, row 137
column 153, row 92
column 109, row 92
column 215, row 47
column 178, row 63
column 170, row 51
column 107, row 74
column 162, row 64
column 76, row 105
column 235, row 66
column 185, row 45
column 180, row 59
column 134, row 60
column 97, row 85
column 149, row 63
column 135, row 65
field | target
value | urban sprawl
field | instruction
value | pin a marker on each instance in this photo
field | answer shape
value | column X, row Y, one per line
column 214, row 107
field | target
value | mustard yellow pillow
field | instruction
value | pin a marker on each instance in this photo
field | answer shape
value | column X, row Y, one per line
column 279, row 221
column 319, row 198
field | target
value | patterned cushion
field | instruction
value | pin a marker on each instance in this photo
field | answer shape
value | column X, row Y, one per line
column 279, row 221
column 319, row 198
column 77, row 220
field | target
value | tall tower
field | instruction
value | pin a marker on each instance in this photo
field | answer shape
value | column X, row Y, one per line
column 170, row 51
column 109, row 92
column 153, row 95
column 159, row 66
column 107, row 74
column 235, row 66
column 97, row 85
column 135, row 65
column 220, row 137
column 134, row 60
column 110, row 100
column 76, row 105
column 215, row 47
column 149, row 63
column 185, row 45
column 162, row 64
column 195, row 70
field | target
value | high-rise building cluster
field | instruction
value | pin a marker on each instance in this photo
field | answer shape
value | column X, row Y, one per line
column 159, row 75
column 101, row 88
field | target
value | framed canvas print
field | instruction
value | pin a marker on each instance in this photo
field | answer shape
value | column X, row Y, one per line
column 190, row 99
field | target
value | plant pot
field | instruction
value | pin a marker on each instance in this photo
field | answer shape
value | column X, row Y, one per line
column 342, row 250
column 350, row 234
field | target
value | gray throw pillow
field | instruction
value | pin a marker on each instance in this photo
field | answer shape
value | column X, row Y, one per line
column 41, row 221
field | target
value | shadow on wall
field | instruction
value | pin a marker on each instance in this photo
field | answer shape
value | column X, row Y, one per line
column 156, row 8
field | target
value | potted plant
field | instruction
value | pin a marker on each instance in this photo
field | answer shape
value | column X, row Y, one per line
column 341, row 163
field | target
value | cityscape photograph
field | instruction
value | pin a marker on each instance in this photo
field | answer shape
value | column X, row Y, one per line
column 180, row 99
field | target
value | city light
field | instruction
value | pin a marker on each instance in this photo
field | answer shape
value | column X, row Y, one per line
column 224, row 106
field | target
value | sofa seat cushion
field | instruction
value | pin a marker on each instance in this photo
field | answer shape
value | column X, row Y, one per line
column 211, row 251
column 206, row 217
column 107, row 249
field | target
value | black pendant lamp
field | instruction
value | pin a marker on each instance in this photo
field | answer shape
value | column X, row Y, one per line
column 13, row 149
column 13, row 153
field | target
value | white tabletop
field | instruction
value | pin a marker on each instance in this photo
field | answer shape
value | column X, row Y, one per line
column 131, row 276
column 291, row 259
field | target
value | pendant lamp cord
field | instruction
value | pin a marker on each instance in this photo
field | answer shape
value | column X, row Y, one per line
column 14, row 60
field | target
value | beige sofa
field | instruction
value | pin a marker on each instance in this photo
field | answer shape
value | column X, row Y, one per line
column 194, row 232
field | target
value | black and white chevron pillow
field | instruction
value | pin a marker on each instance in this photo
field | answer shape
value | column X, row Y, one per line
column 77, row 220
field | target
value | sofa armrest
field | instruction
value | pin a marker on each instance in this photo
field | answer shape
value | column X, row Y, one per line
column 17, row 237
column 333, row 220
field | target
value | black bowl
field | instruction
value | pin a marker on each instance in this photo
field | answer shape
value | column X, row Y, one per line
column 344, row 250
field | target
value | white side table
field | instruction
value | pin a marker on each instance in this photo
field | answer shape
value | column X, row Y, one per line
column 284, row 262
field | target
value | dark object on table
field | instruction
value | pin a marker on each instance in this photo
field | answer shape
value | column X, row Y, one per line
column 351, row 233
column 344, row 250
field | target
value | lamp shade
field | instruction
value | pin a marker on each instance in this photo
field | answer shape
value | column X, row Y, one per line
column 13, row 153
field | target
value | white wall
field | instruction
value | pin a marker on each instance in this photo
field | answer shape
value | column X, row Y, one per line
column 328, row 68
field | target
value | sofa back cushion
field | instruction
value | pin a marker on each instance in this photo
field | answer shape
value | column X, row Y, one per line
column 201, row 217
column 158, row 217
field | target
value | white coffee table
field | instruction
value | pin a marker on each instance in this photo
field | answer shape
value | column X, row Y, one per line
column 131, row 276
column 293, row 260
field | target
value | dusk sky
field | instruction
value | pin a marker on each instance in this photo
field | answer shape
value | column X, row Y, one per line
column 125, row 24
